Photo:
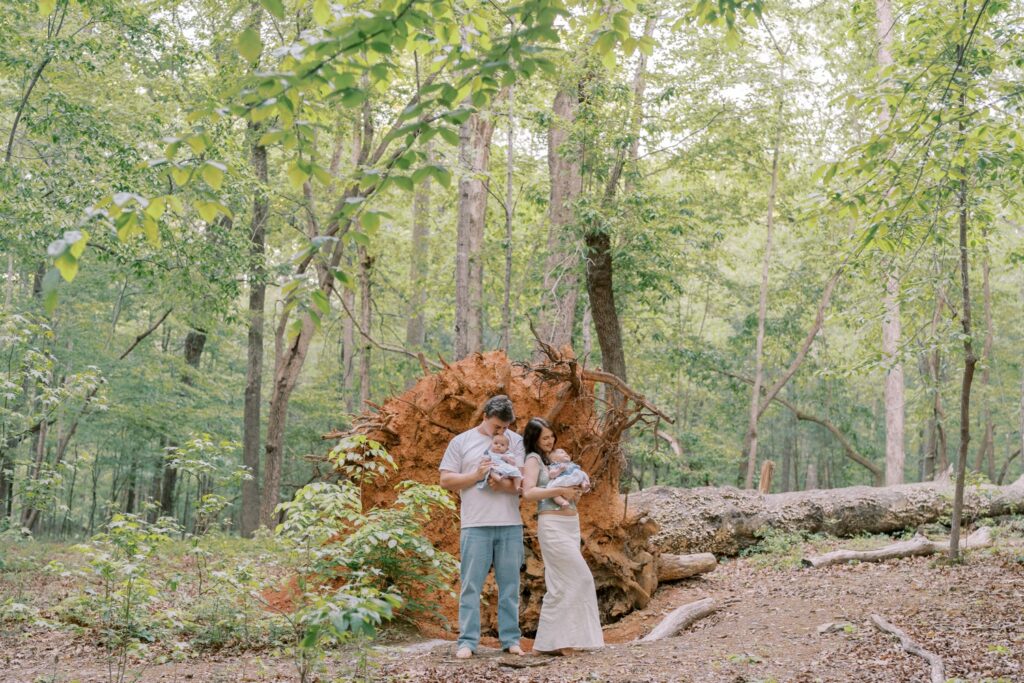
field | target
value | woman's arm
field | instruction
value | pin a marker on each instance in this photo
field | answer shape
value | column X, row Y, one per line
column 533, row 492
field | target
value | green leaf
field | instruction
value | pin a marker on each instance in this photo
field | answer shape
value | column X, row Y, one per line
column 50, row 282
column 67, row 265
column 275, row 7
column 322, row 12
column 156, row 207
column 296, row 175
column 321, row 302
column 207, row 210
column 46, row 7
column 360, row 239
column 249, row 45
column 449, row 135
column 370, row 221
column 152, row 230
column 271, row 137
column 213, row 175
column 77, row 247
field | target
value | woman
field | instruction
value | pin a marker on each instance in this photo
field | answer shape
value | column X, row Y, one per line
column 568, row 615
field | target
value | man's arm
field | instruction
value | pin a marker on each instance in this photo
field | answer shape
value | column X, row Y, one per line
column 502, row 485
column 455, row 481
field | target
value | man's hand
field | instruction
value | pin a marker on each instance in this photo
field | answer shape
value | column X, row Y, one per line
column 502, row 485
column 483, row 468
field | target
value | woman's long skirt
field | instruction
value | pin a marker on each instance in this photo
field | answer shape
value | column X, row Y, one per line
column 568, row 613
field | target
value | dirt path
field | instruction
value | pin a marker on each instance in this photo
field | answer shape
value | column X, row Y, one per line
column 767, row 630
column 972, row 615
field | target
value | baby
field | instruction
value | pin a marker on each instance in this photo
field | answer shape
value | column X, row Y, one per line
column 564, row 472
column 501, row 463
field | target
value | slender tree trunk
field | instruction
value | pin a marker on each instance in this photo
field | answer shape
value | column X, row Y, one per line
column 750, row 442
column 969, row 358
column 365, row 311
column 985, row 459
column 895, row 455
column 195, row 342
column 474, row 155
column 506, row 304
column 419, row 264
column 133, row 475
column 561, row 278
column 250, row 514
column 348, row 350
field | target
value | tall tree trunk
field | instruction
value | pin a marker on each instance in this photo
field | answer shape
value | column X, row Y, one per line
column 250, row 517
column 348, row 350
column 895, row 455
column 506, row 303
column 985, row 459
column 474, row 155
column 195, row 342
column 557, row 316
column 133, row 476
column 750, row 441
column 419, row 264
column 365, row 314
column 599, row 270
column 969, row 358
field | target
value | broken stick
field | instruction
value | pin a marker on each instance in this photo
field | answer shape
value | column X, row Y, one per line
column 909, row 646
column 915, row 547
column 680, row 618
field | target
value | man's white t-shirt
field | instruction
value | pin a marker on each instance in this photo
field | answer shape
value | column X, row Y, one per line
column 483, row 507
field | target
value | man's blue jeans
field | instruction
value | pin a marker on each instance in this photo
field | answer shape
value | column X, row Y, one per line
column 481, row 547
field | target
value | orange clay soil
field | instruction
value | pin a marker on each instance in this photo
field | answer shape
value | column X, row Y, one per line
column 416, row 427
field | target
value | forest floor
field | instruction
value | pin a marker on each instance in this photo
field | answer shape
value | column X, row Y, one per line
column 770, row 628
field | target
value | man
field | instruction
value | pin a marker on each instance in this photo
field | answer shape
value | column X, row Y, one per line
column 492, row 528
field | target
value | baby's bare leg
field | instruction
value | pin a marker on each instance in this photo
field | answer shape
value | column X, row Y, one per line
column 562, row 502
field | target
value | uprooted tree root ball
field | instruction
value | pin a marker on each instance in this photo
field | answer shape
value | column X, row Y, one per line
column 416, row 427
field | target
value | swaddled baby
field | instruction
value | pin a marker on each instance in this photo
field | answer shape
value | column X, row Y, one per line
column 503, row 464
column 564, row 472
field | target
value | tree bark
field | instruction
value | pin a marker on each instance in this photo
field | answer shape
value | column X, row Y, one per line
column 725, row 520
column 561, row 279
column 985, row 460
column 365, row 315
column 506, row 303
column 895, row 455
column 970, row 360
column 918, row 546
column 674, row 567
column 681, row 618
column 250, row 514
column 474, row 155
column 750, row 440
column 195, row 342
column 419, row 263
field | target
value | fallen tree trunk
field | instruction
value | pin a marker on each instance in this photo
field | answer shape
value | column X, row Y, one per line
column 916, row 547
column 938, row 670
column 674, row 567
column 725, row 520
column 680, row 618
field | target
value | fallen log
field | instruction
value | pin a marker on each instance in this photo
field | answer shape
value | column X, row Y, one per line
column 681, row 618
column 938, row 670
column 918, row 546
column 725, row 520
column 674, row 567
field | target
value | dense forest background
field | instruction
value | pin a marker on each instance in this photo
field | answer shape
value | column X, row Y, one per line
column 225, row 226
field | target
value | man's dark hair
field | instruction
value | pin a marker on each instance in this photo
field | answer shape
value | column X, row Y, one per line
column 500, row 407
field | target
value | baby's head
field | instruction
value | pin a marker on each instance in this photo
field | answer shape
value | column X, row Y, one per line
column 559, row 455
column 499, row 443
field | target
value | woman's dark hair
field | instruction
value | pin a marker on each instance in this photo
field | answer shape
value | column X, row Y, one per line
column 500, row 406
column 531, row 436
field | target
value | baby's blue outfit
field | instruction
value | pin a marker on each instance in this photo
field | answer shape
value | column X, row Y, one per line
column 504, row 470
column 572, row 475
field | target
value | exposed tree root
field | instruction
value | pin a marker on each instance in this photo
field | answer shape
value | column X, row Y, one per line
column 938, row 670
